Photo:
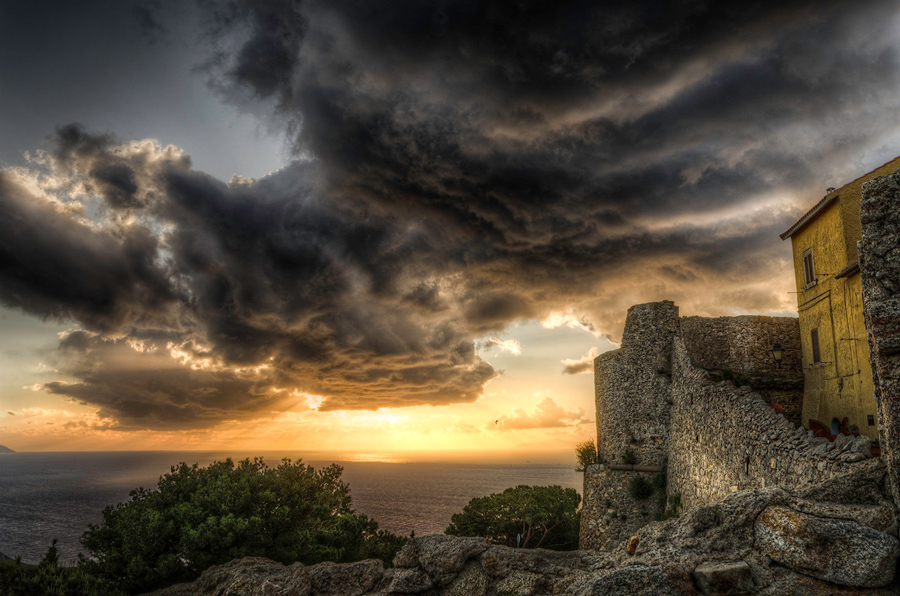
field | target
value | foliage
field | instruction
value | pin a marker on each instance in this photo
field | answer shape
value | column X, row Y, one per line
column 199, row 517
column 587, row 455
column 660, row 480
column 640, row 488
column 629, row 457
column 48, row 578
column 544, row 516
column 672, row 510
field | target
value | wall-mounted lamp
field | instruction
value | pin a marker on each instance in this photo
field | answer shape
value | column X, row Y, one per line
column 777, row 354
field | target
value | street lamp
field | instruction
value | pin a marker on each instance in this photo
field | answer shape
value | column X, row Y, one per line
column 777, row 354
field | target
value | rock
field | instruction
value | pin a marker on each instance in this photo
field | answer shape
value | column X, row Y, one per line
column 176, row 590
column 878, row 517
column 724, row 578
column 631, row 581
column 442, row 557
column 520, row 583
column 408, row 581
column 838, row 551
column 348, row 579
column 633, row 544
column 471, row 581
column 252, row 576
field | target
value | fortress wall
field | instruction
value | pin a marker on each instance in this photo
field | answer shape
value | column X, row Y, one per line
column 743, row 344
column 632, row 386
column 609, row 513
column 724, row 439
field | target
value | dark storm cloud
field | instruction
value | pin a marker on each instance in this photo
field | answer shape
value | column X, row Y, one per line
column 462, row 165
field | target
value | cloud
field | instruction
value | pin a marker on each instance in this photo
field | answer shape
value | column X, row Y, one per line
column 504, row 345
column 458, row 167
column 546, row 414
column 581, row 366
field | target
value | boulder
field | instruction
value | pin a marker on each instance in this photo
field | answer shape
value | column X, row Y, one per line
column 251, row 576
column 347, row 579
column 837, row 551
column 520, row 583
column 471, row 581
column 408, row 581
column 440, row 556
column 630, row 581
column 724, row 578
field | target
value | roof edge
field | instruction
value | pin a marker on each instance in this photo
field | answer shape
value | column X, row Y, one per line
column 826, row 200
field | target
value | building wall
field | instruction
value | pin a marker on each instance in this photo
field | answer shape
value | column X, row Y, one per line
column 841, row 384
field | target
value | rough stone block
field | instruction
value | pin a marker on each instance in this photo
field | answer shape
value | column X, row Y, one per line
column 348, row 579
column 838, row 551
column 631, row 581
column 409, row 581
column 724, row 578
column 253, row 576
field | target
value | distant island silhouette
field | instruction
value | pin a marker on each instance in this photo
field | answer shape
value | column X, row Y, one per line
column 5, row 449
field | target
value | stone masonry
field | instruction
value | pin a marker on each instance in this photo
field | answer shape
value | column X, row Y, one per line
column 711, row 437
column 879, row 262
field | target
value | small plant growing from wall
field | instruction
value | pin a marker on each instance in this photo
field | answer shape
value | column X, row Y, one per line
column 629, row 457
column 673, row 508
column 640, row 488
column 587, row 455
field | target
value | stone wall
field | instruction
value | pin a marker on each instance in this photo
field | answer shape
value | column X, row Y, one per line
column 879, row 262
column 610, row 514
column 654, row 399
column 632, row 386
column 742, row 346
column 724, row 439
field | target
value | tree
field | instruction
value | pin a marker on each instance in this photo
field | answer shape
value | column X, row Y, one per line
column 544, row 517
column 199, row 517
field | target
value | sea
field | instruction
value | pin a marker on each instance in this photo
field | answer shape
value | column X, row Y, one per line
column 56, row 495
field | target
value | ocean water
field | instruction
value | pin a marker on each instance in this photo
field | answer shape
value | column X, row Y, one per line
column 56, row 495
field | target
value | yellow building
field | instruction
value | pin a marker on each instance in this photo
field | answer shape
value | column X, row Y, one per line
column 838, row 377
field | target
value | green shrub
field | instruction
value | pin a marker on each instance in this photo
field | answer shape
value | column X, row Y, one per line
column 629, row 457
column 587, row 455
column 199, row 517
column 640, row 488
column 672, row 511
column 660, row 480
column 742, row 380
column 48, row 578
column 544, row 517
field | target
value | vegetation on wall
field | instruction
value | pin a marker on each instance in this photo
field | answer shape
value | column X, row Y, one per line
column 524, row 516
column 587, row 455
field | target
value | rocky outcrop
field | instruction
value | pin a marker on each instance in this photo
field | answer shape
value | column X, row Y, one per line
column 879, row 263
column 835, row 538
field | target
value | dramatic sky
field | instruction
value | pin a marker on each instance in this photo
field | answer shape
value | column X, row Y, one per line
column 405, row 225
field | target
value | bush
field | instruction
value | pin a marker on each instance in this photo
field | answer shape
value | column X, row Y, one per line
column 199, row 517
column 640, row 488
column 544, row 517
column 50, row 579
column 587, row 455
column 672, row 510
column 629, row 457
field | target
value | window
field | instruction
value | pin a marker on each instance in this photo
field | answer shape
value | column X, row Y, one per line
column 814, row 336
column 809, row 269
